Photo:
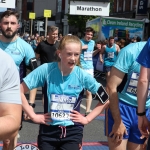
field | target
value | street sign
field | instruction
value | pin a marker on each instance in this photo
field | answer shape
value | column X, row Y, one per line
column 47, row 13
column 31, row 15
column 142, row 7
column 89, row 8
column 7, row 3
column 64, row 20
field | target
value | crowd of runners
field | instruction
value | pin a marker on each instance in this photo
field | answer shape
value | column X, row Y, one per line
column 66, row 73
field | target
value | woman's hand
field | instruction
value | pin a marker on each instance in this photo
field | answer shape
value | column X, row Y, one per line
column 42, row 118
column 26, row 117
column 75, row 116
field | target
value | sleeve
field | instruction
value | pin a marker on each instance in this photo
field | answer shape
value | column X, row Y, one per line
column 93, row 45
column 144, row 57
column 124, row 59
column 29, row 53
column 10, row 84
column 37, row 77
column 90, row 83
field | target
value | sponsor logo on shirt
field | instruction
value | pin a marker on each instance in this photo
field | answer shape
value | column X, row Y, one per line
column 73, row 86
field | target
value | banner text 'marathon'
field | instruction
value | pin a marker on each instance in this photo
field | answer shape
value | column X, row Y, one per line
column 80, row 8
column 2, row 1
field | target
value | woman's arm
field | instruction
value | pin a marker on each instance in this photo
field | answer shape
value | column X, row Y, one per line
column 37, row 118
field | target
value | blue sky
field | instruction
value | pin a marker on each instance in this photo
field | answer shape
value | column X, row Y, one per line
column 2, row 9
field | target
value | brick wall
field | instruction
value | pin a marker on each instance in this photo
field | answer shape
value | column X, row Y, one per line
column 127, row 6
column 115, row 6
column 120, row 9
column 24, row 9
column 128, row 3
column 134, row 4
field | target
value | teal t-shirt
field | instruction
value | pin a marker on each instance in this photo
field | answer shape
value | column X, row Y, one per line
column 19, row 50
column 62, row 91
column 86, row 55
column 126, row 62
column 110, row 55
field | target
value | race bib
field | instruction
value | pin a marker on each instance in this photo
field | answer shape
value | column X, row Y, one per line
column 61, row 105
column 111, row 55
column 132, row 87
column 26, row 146
column 88, row 56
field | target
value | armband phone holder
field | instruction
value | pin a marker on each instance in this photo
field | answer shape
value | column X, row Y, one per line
column 33, row 63
column 102, row 95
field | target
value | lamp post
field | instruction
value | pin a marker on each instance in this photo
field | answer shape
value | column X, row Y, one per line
column 65, row 19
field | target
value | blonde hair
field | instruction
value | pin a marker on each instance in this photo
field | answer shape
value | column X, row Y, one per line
column 79, row 63
column 69, row 39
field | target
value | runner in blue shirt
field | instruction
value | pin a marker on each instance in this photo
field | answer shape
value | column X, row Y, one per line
column 121, row 122
column 143, row 92
column 87, row 61
column 110, row 52
column 63, row 84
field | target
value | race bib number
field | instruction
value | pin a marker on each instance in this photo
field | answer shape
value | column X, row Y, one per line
column 111, row 55
column 132, row 90
column 61, row 105
column 88, row 56
column 132, row 87
column 26, row 147
column 60, row 115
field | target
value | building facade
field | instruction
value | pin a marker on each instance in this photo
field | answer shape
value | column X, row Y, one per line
column 133, row 9
column 124, row 8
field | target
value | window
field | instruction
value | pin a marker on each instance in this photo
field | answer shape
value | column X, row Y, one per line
column 59, row 5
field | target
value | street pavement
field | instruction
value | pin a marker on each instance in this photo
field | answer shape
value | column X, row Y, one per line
column 93, row 138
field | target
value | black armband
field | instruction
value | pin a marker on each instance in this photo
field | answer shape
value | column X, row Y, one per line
column 140, row 114
column 102, row 95
column 33, row 63
column 32, row 104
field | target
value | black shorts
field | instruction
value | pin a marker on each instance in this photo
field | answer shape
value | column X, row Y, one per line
column 49, row 138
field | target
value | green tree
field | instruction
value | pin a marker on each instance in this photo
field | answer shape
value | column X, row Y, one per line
column 111, row 6
column 79, row 21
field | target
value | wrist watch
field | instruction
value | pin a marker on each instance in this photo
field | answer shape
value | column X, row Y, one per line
column 32, row 104
column 140, row 114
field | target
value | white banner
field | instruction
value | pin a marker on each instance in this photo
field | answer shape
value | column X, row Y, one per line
column 89, row 8
column 7, row 3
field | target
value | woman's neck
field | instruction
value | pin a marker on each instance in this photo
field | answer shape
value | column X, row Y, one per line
column 64, row 72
